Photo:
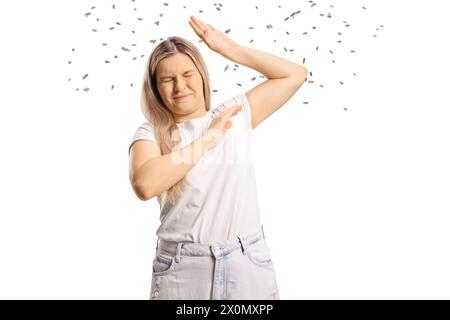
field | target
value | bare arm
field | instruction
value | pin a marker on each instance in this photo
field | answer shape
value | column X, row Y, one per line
column 284, row 79
column 159, row 173
column 271, row 66
column 152, row 173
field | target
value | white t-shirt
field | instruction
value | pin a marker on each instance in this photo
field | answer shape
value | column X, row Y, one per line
column 221, row 200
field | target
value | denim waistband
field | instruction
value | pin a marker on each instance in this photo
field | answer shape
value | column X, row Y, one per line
column 200, row 249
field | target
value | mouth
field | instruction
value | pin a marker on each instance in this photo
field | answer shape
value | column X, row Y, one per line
column 182, row 98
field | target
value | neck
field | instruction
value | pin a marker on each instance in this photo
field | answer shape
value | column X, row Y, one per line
column 198, row 114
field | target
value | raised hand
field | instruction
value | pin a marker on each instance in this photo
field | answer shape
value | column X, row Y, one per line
column 215, row 39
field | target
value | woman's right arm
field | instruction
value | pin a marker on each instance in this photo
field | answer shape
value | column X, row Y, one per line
column 152, row 173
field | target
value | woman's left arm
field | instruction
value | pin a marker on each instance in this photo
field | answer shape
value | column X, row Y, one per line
column 284, row 77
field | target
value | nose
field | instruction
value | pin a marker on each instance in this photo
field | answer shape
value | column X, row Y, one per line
column 179, row 85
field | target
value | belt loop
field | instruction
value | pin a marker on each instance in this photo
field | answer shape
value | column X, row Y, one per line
column 262, row 229
column 244, row 249
column 178, row 254
column 215, row 251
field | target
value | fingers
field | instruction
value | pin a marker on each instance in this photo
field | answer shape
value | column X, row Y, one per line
column 199, row 22
column 236, row 108
column 223, row 120
column 196, row 27
column 231, row 112
column 199, row 26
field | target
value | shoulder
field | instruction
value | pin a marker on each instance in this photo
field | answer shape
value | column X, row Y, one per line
column 145, row 128
column 147, row 125
column 145, row 131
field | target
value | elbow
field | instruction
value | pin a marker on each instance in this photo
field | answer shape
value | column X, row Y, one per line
column 141, row 187
column 142, row 192
column 302, row 74
column 298, row 77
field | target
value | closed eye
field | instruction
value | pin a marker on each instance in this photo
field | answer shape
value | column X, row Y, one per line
column 186, row 75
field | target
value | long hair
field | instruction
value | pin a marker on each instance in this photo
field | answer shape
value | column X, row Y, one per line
column 155, row 110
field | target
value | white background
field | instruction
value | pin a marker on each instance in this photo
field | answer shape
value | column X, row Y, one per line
column 355, row 203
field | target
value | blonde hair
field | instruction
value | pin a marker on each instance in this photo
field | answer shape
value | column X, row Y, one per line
column 153, row 107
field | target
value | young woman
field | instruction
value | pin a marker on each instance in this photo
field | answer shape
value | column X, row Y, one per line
column 196, row 160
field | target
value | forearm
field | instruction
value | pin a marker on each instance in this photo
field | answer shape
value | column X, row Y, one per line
column 269, row 65
column 161, row 173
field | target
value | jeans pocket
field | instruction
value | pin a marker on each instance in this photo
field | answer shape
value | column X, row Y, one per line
column 162, row 265
column 258, row 253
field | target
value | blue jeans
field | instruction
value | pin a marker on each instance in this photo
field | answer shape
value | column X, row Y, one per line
column 238, row 269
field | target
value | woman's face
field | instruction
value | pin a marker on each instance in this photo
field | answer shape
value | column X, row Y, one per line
column 177, row 76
